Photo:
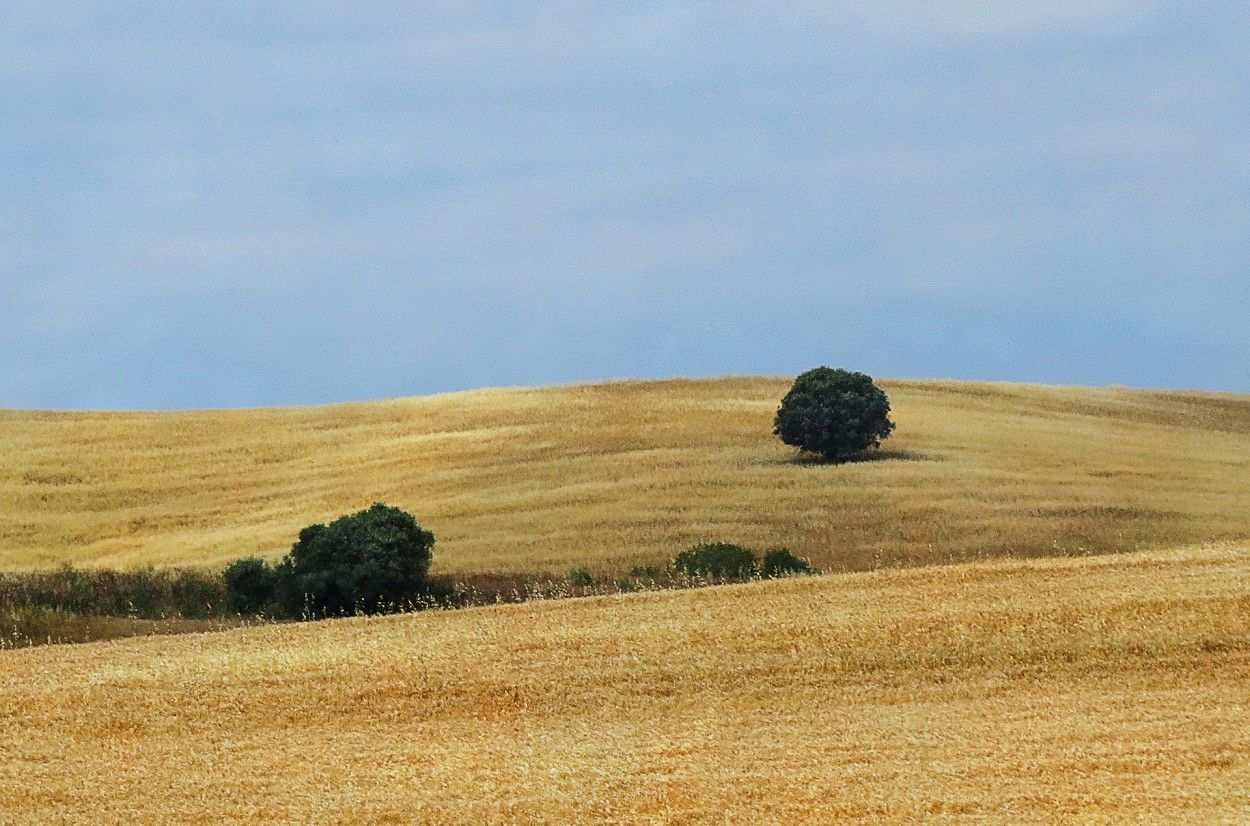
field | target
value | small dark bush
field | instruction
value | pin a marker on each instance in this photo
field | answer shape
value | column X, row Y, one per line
column 783, row 563
column 646, row 572
column 626, row 585
column 251, row 586
column 718, row 560
column 582, row 577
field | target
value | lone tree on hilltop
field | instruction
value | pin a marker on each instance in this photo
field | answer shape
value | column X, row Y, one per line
column 835, row 413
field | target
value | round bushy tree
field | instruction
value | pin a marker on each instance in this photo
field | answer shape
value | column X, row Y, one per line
column 719, row 560
column 835, row 413
column 371, row 562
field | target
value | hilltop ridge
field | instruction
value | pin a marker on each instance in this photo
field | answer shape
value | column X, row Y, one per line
column 608, row 476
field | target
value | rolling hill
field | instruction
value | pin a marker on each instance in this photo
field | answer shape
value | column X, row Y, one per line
column 1083, row 687
column 609, row 476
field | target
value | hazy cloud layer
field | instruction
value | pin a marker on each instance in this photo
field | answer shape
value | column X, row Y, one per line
column 317, row 202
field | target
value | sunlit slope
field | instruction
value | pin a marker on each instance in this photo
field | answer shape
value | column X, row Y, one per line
column 615, row 475
column 1111, row 689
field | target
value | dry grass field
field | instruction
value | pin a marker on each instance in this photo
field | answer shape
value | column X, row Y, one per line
column 1112, row 689
column 610, row 476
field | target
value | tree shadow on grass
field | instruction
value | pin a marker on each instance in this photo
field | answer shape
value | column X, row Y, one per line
column 887, row 454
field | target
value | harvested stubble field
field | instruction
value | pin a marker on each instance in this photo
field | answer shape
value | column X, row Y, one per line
column 1100, row 689
column 1111, row 689
column 610, row 476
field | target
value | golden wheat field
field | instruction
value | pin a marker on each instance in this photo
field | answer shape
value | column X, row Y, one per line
column 609, row 476
column 1112, row 689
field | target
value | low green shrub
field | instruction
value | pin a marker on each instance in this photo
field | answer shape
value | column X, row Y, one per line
column 781, row 563
column 716, row 560
column 146, row 593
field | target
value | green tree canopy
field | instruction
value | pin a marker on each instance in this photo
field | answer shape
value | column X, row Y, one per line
column 372, row 561
column 719, row 560
column 835, row 413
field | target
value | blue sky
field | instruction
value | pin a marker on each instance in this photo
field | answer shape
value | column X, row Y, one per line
column 236, row 204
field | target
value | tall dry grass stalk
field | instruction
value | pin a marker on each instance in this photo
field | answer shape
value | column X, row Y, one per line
column 611, row 476
column 1097, row 690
